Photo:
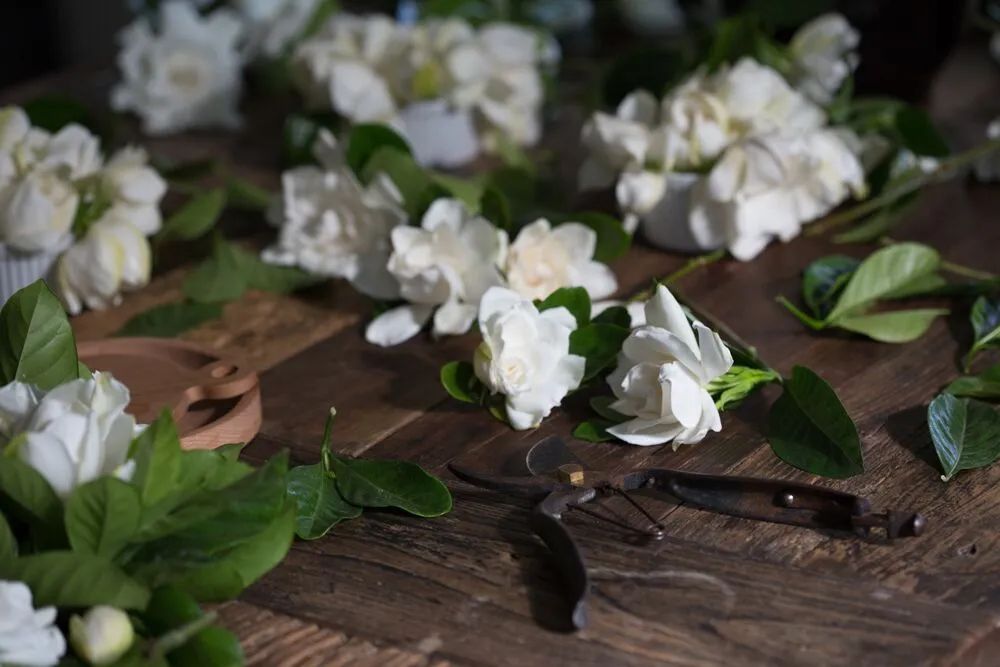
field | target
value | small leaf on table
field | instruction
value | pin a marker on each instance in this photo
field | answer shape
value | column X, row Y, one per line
column 898, row 326
column 594, row 430
column 985, row 318
column 809, row 428
column 824, row 280
column 965, row 432
column 460, row 381
column 986, row 385
column 320, row 506
column 398, row 484
column 170, row 319
column 196, row 218
column 882, row 273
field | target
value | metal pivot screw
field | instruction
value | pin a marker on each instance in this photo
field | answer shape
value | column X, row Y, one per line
column 571, row 473
column 787, row 499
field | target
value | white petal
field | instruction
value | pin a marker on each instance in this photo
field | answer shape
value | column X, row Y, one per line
column 578, row 240
column 445, row 212
column 598, row 279
column 398, row 325
column 645, row 432
column 664, row 311
column 453, row 318
column 498, row 300
column 683, row 393
column 715, row 355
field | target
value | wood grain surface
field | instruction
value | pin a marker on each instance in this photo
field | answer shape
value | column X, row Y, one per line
column 475, row 587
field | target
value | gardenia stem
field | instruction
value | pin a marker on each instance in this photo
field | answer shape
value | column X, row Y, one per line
column 945, row 168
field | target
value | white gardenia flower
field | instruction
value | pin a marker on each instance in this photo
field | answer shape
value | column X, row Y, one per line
column 74, row 150
column 134, row 189
column 662, row 376
column 619, row 142
column 759, row 99
column 113, row 257
column 37, row 211
column 768, row 186
column 988, row 167
column 102, row 635
column 28, row 636
column 185, row 75
column 331, row 225
column 443, row 267
column 72, row 434
column 542, row 259
column 525, row 355
column 823, row 56
column 274, row 25
column 694, row 127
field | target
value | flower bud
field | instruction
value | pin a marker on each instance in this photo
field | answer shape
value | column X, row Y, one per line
column 102, row 635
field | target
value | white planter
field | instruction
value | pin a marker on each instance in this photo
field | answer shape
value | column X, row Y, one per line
column 440, row 135
column 668, row 224
column 19, row 269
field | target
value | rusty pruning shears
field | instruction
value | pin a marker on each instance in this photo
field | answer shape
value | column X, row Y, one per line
column 559, row 481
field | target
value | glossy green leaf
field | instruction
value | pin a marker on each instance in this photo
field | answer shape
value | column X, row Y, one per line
column 917, row 132
column 985, row 318
column 27, row 496
column 365, row 139
column 882, row 273
column 730, row 389
column 986, row 385
column 196, row 218
column 399, row 484
column 72, row 579
column 319, row 505
column 593, row 430
column 965, row 432
column 244, row 195
column 494, row 207
column 824, row 280
column 36, row 341
column 170, row 319
column 602, row 406
column 102, row 516
column 574, row 299
column 929, row 284
column 612, row 239
column 212, row 646
column 176, row 621
column 809, row 428
column 54, row 112
column 409, row 177
column 8, row 543
column 599, row 344
column 880, row 223
column 157, row 456
column 193, row 170
column 898, row 326
column 460, row 381
column 468, row 190
column 300, row 133
column 617, row 315
column 219, row 279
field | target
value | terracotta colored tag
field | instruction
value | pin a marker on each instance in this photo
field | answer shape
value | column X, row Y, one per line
column 214, row 401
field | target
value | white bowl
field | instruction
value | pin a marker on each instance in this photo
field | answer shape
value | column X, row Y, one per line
column 668, row 224
column 440, row 135
column 19, row 269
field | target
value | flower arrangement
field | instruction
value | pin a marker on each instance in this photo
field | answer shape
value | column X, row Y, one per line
column 479, row 87
column 333, row 225
column 71, row 215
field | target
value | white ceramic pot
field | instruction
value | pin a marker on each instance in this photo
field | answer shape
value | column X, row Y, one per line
column 667, row 224
column 19, row 269
column 439, row 135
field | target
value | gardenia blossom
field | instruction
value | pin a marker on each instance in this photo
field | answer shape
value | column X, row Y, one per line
column 273, row 26
column 823, row 56
column 37, row 211
column 113, row 257
column 768, row 186
column 662, row 377
column 134, row 189
column 331, row 225
column 72, row 434
column 102, row 635
column 617, row 142
column 759, row 100
column 544, row 258
column 443, row 267
column 28, row 636
column 525, row 355
column 186, row 74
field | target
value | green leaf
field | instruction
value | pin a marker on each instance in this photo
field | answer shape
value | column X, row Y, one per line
column 300, row 133
column 270, row 278
column 102, row 516
column 171, row 616
column 966, row 433
column 319, row 505
column 985, row 385
column 193, row 170
column 54, row 112
column 651, row 69
column 737, row 383
column 8, row 543
column 880, row 223
column 170, row 319
column 468, row 191
column 616, row 315
column 212, row 646
column 72, row 579
column 599, row 344
column 460, row 381
column 36, row 341
column 802, row 317
column 574, row 299
column 917, row 132
column 365, row 139
column 398, row 484
column 808, row 428
column 602, row 406
column 409, row 177
column 929, row 284
column 824, row 280
column 244, row 195
column 593, row 430
column 219, row 279
column 985, row 318
column 899, row 326
column 612, row 239
column 27, row 496
column 196, row 218
column 494, row 207
column 882, row 273
column 157, row 455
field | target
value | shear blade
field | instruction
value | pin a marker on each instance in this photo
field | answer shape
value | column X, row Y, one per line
column 545, row 457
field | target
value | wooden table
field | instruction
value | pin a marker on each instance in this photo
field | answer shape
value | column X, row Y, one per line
column 475, row 587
